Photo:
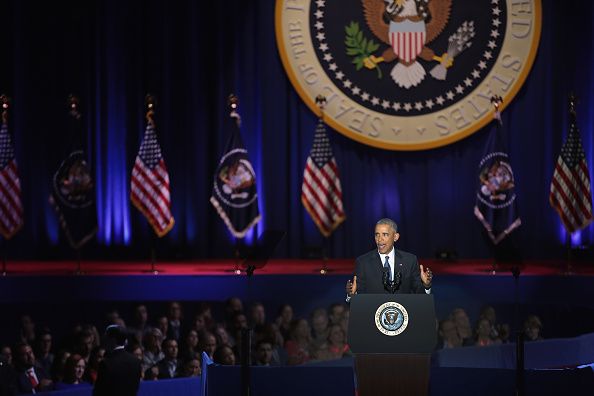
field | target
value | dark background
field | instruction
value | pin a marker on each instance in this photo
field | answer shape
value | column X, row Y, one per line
column 192, row 55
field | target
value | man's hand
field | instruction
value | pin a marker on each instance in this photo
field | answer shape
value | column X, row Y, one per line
column 351, row 287
column 426, row 277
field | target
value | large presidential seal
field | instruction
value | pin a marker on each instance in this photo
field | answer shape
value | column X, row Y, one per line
column 391, row 318
column 407, row 74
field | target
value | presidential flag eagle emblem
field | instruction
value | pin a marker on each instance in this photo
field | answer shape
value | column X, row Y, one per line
column 407, row 74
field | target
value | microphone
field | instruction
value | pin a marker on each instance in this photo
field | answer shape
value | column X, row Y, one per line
column 398, row 280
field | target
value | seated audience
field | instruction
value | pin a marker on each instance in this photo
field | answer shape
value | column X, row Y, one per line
column 483, row 334
column 224, row 355
column 448, row 335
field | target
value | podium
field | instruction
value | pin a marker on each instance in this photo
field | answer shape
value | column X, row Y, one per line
column 392, row 336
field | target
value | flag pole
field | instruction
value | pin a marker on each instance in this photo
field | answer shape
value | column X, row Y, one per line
column 321, row 103
column 568, row 268
column 150, row 113
column 4, row 99
column 496, row 101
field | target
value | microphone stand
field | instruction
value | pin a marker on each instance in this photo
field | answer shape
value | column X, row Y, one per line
column 391, row 286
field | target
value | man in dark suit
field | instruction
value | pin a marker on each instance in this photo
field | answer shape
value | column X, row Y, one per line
column 388, row 263
column 119, row 372
column 29, row 377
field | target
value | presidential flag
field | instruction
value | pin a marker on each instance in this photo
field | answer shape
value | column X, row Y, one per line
column 11, row 208
column 321, row 193
column 149, row 189
column 73, row 188
column 570, row 194
column 234, row 193
column 496, row 200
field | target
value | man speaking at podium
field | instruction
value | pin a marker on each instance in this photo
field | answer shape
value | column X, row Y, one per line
column 387, row 269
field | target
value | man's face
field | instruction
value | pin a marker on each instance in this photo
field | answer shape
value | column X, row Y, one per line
column 171, row 349
column 264, row 353
column 46, row 343
column 385, row 237
column 25, row 356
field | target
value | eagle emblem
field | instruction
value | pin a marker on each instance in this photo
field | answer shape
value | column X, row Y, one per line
column 407, row 74
column 408, row 27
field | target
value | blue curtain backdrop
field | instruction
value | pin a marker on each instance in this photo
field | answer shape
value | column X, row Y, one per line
column 192, row 55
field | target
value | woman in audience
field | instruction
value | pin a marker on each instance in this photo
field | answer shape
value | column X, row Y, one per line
column 532, row 328
column 284, row 319
column 189, row 345
column 224, row 355
column 208, row 343
column 97, row 356
column 299, row 344
column 192, row 368
column 483, row 333
column 335, row 346
column 74, row 369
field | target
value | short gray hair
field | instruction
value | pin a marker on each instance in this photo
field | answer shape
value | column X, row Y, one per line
column 388, row 222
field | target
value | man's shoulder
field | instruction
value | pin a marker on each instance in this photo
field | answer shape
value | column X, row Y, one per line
column 405, row 256
column 370, row 255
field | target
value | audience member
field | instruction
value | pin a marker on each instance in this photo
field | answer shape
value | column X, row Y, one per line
column 335, row 346
column 207, row 343
column 222, row 335
column 6, row 355
column 335, row 313
column 152, row 348
column 299, row 344
column 483, row 333
column 448, row 335
column 96, row 357
column 263, row 355
column 462, row 322
column 57, row 370
column 284, row 319
column 224, row 355
column 257, row 315
column 27, row 331
column 189, row 345
column 163, row 325
column 320, row 329
column 29, row 377
column 532, row 328
column 174, row 315
column 74, row 370
column 170, row 364
column 44, row 355
column 139, row 322
column 192, row 368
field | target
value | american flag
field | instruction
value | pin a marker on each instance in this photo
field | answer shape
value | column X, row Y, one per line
column 150, row 184
column 321, row 193
column 570, row 193
column 11, row 208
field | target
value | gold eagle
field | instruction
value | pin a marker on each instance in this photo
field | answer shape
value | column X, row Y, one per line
column 384, row 16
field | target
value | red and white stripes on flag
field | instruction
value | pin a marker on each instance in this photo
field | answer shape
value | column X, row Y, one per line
column 407, row 45
column 150, row 184
column 11, row 208
column 570, row 194
column 321, row 193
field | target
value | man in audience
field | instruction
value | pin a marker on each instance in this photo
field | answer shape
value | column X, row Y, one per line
column 175, row 317
column 257, row 315
column 152, row 348
column 44, row 354
column 170, row 364
column 119, row 373
column 263, row 353
column 30, row 378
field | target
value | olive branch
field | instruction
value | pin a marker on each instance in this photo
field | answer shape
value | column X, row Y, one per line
column 359, row 47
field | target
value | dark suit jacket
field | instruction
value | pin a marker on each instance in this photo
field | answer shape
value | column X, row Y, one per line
column 23, row 383
column 118, row 375
column 164, row 369
column 369, row 270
